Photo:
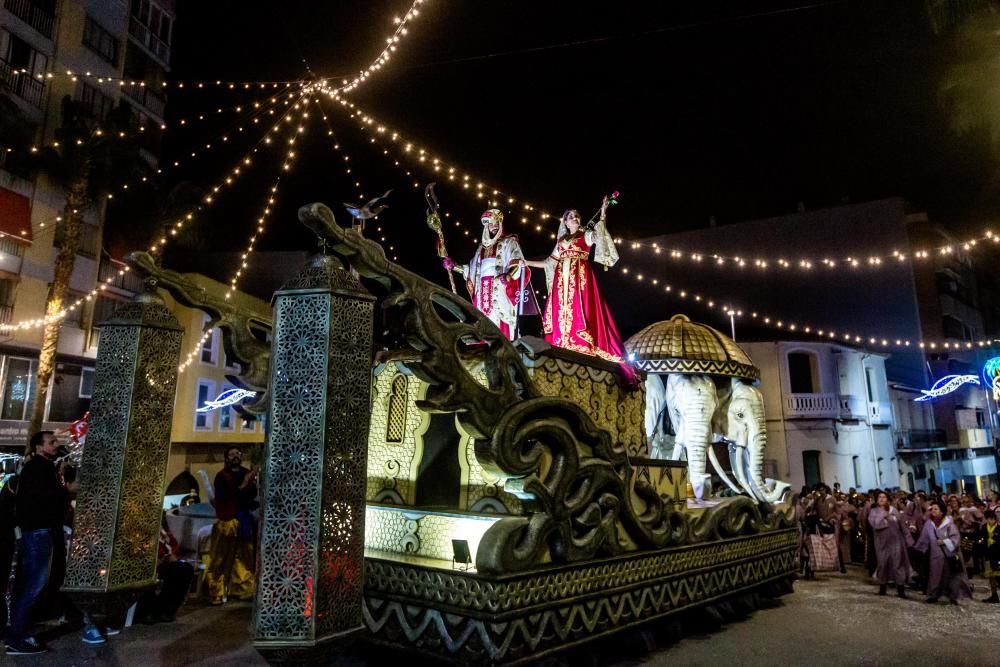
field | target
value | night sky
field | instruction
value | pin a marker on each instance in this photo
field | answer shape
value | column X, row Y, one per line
column 736, row 110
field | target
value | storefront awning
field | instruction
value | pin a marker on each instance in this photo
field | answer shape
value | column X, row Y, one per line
column 15, row 216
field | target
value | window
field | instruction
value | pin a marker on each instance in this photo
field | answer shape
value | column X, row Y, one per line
column 87, row 383
column 153, row 18
column 205, row 393
column 231, row 364
column 227, row 415
column 7, row 288
column 247, row 426
column 65, row 402
column 802, row 373
column 19, row 388
column 856, row 460
column 870, row 383
column 100, row 41
column 74, row 318
column 210, row 346
column 396, row 423
column 96, row 102
column 16, row 54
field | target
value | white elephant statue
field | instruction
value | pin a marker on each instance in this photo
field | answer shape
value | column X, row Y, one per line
column 745, row 428
column 656, row 403
column 703, row 408
column 692, row 402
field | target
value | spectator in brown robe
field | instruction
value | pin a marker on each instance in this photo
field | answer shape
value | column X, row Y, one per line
column 942, row 542
column 890, row 545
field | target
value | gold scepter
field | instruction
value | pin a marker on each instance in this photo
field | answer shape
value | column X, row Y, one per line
column 434, row 222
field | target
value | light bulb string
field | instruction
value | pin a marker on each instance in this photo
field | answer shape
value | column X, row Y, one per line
column 232, row 175
column 260, row 228
column 790, row 325
column 879, row 341
column 154, row 249
column 442, row 169
column 53, row 224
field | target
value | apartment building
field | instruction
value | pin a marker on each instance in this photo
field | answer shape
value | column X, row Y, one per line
column 116, row 39
column 829, row 415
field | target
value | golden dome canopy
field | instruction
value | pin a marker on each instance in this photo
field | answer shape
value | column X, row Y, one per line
column 679, row 345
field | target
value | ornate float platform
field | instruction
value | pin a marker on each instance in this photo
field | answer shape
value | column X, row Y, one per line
column 474, row 619
column 432, row 487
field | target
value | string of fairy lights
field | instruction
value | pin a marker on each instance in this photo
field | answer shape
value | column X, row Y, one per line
column 383, row 58
column 352, row 177
column 391, row 43
column 142, row 179
column 158, row 244
column 527, row 213
column 295, row 134
column 493, row 196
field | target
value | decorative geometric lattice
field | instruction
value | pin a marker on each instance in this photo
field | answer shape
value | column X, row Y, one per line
column 472, row 619
column 312, row 538
column 118, row 508
column 286, row 584
column 396, row 422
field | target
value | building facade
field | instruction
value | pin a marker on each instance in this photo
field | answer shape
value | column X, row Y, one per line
column 109, row 40
column 951, row 296
column 829, row 415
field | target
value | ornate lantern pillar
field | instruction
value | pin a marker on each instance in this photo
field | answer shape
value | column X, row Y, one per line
column 311, row 565
column 117, row 520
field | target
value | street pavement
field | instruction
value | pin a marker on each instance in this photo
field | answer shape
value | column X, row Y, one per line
column 833, row 620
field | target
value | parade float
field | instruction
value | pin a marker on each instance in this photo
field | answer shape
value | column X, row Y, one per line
column 430, row 485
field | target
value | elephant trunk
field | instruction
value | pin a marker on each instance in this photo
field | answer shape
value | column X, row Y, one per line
column 767, row 492
column 696, row 435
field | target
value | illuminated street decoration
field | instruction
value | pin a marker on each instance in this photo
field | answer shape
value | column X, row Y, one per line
column 946, row 385
column 991, row 375
column 227, row 398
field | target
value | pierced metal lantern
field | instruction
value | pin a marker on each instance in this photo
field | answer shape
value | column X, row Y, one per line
column 310, row 581
column 117, row 521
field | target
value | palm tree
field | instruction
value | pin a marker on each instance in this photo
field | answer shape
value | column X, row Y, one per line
column 89, row 153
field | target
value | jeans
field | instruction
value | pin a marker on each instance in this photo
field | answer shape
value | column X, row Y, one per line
column 34, row 551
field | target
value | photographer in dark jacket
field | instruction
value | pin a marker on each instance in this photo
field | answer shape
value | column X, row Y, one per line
column 40, row 505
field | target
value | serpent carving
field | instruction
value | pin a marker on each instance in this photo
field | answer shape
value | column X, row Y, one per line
column 236, row 324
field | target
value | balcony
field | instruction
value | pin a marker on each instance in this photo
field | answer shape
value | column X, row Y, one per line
column 921, row 439
column 151, row 42
column 11, row 255
column 128, row 284
column 811, row 406
column 21, row 84
column 35, row 16
column 147, row 98
column 973, row 438
column 89, row 244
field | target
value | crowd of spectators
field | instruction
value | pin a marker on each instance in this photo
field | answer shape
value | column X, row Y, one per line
column 932, row 542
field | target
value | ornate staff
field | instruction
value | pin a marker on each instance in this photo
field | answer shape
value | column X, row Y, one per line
column 434, row 222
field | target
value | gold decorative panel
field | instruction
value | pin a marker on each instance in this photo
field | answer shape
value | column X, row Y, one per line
column 395, row 439
column 618, row 409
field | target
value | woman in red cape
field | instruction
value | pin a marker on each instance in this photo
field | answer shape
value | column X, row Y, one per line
column 576, row 317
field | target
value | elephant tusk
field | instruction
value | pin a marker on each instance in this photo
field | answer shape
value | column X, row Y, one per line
column 718, row 468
